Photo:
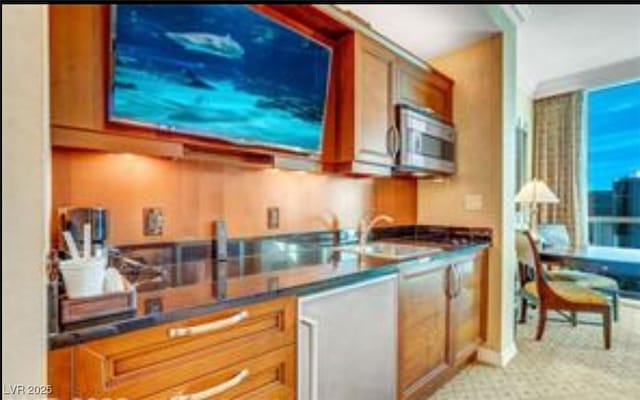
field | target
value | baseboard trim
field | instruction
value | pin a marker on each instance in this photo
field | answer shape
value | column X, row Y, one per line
column 497, row 358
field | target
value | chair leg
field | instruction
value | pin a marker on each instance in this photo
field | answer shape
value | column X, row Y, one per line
column 523, row 311
column 574, row 319
column 615, row 298
column 542, row 321
column 606, row 326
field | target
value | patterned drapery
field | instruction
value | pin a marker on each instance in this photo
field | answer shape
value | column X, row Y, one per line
column 559, row 159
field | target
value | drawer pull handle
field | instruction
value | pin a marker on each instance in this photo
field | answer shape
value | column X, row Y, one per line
column 212, row 391
column 209, row 327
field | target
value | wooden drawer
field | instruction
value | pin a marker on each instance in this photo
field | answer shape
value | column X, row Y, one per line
column 271, row 376
column 139, row 363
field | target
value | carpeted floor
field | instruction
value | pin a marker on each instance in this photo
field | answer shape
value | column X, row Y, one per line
column 569, row 363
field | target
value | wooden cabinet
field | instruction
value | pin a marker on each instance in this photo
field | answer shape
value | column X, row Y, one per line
column 424, row 88
column 363, row 142
column 441, row 322
column 423, row 320
column 245, row 350
column 372, row 80
column 411, row 83
column 439, row 95
column 374, row 102
column 467, row 303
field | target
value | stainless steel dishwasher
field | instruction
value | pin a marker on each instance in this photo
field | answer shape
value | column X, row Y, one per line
column 347, row 342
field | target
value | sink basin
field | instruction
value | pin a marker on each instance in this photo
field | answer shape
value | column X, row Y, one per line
column 389, row 250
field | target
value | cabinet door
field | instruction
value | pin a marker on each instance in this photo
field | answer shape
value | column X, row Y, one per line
column 466, row 306
column 374, row 103
column 411, row 84
column 439, row 95
column 422, row 330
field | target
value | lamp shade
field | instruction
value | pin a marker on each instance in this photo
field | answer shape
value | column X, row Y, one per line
column 536, row 191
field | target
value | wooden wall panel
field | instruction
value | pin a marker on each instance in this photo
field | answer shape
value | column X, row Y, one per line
column 398, row 198
column 194, row 193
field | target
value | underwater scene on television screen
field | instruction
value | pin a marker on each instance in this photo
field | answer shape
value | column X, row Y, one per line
column 224, row 71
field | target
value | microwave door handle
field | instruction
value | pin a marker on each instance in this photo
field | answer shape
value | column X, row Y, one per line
column 390, row 142
column 396, row 141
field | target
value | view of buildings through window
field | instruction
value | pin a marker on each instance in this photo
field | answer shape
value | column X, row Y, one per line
column 613, row 126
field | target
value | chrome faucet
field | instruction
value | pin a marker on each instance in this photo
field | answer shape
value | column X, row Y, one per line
column 365, row 227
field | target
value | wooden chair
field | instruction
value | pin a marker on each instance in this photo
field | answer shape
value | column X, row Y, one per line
column 557, row 235
column 559, row 295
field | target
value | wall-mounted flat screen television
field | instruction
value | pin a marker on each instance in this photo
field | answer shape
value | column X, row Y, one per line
column 221, row 71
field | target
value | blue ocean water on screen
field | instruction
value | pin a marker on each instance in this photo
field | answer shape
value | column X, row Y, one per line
column 223, row 71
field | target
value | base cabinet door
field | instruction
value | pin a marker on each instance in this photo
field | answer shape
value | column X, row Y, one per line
column 466, row 305
column 422, row 329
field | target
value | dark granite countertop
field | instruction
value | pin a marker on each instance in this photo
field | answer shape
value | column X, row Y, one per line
column 194, row 283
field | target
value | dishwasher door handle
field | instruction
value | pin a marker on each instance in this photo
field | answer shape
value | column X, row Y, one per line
column 313, row 362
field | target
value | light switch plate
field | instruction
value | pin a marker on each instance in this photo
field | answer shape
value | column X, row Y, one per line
column 473, row 202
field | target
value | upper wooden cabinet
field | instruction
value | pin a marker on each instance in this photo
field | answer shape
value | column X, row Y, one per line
column 417, row 86
column 361, row 143
column 372, row 79
column 78, row 54
column 439, row 93
column 373, row 102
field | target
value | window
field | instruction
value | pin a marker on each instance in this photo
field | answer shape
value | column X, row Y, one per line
column 613, row 123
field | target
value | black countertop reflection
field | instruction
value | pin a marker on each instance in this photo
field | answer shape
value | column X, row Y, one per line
column 182, row 280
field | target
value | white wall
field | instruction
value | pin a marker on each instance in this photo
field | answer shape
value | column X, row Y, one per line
column 25, row 192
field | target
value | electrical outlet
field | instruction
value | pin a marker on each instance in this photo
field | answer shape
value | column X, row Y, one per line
column 153, row 221
column 273, row 218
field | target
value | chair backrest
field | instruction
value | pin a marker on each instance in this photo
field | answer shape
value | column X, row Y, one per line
column 524, row 250
column 528, row 254
column 556, row 235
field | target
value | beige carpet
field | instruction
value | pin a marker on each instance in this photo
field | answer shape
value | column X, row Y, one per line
column 569, row 363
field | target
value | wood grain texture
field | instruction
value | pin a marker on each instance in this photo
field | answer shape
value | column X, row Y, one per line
column 423, row 330
column 373, row 109
column 439, row 94
column 195, row 193
column 59, row 373
column 143, row 362
column 396, row 197
column 192, row 193
column 272, row 376
column 441, row 323
column 466, row 309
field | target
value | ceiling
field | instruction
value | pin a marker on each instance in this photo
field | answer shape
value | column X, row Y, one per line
column 427, row 30
column 556, row 41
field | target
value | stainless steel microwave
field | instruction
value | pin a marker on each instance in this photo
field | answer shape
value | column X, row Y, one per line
column 427, row 144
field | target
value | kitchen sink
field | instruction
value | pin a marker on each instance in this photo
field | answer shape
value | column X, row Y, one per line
column 390, row 250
